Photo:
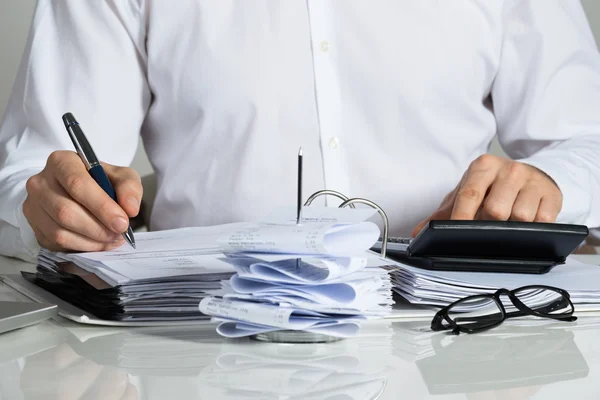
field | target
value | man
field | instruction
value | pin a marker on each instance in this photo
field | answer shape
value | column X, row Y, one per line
column 392, row 101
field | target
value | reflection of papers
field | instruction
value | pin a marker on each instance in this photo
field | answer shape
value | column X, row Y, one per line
column 180, row 351
column 353, row 369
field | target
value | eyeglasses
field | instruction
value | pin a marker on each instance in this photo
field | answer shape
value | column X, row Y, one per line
column 485, row 311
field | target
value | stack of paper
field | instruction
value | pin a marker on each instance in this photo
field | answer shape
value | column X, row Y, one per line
column 163, row 280
column 322, row 285
column 440, row 288
column 170, row 272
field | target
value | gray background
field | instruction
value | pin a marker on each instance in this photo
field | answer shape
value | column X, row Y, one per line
column 15, row 17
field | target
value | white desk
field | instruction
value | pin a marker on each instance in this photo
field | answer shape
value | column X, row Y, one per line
column 519, row 360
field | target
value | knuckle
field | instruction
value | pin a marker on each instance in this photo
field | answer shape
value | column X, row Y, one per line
column 516, row 170
column 76, row 184
column 105, row 208
column 32, row 184
column 558, row 203
column 129, row 179
column 521, row 214
column 27, row 207
column 100, row 234
column 555, row 194
column 485, row 161
column 496, row 211
column 64, row 214
column 545, row 216
column 54, row 157
column 43, row 242
column 470, row 193
column 57, row 157
column 130, row 188
column 61, row 238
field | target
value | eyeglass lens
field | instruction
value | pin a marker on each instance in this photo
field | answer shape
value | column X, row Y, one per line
column 544, row 301
column 479, row 312
column 476, row 312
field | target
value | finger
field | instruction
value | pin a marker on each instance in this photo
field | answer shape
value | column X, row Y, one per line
column 43, row 241
column 498, row 203
column 526, row 205
column 470, row 195
column 449, row 198
column 76, row 380
column 420, row 227
column 110, row 385
column 131, row 393
column 548, row 209
column 49, row 362
column 441, row 213
column 53, row 383
column 29, row 211
column 57, row 238
column 72, row 216
column 73, row 177
column 128, row 187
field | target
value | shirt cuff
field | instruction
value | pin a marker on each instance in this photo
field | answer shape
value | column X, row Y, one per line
column 577, row 200
column 31, row 248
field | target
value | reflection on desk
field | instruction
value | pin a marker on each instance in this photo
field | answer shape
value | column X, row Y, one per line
column 197, row 361
column 525, row 358
column 292, row 372
column 514, row 361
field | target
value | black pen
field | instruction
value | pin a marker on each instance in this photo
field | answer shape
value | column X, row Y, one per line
column 299, row 200
column 87, row 155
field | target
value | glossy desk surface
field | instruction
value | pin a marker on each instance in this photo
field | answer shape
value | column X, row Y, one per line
column 389, row 360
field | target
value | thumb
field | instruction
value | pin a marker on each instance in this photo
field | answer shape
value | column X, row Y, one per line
column 128, row 187
column 444, row 211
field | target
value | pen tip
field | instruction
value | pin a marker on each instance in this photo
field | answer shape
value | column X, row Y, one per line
column 300, row 151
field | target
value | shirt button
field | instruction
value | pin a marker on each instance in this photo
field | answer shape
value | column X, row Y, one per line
column 324, row 46
column 334, row 142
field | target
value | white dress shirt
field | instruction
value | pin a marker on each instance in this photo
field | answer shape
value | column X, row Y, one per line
column 390, row 100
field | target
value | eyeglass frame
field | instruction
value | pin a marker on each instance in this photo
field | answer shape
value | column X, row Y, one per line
column 442, row 314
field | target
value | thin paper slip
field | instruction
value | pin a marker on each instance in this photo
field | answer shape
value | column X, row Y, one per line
column 307, row 239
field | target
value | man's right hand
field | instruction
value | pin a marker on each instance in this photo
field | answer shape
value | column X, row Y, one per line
column 69, row 211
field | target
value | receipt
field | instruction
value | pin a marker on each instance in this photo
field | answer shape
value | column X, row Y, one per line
column 316, row 214
column 265, row 314
column 316, row 239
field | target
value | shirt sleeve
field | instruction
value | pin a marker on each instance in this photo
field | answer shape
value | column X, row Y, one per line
column 546, row 98
column 85, row 57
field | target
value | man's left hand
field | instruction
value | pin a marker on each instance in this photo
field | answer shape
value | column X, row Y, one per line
column 496, row 188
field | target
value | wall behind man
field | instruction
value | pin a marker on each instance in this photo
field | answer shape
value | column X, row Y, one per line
column 15, row 17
